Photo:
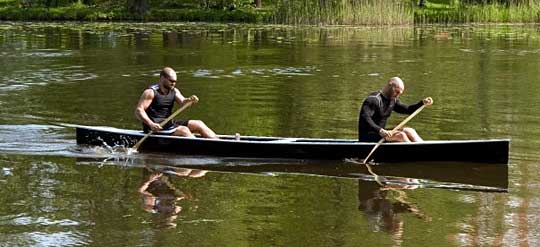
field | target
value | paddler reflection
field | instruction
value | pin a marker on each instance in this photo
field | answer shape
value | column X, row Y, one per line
column 382, row 206
column 160, row 196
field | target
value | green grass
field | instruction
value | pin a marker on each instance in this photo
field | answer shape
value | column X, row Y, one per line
column 332, row 12
column 489, row 13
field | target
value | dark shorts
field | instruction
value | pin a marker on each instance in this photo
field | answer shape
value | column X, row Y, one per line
column 369, row 137
column 168, row 128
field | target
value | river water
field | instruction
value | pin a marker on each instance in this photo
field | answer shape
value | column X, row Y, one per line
column 274, row 81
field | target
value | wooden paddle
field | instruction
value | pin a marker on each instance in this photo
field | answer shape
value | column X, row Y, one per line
column 399, row 126
column 138, row 144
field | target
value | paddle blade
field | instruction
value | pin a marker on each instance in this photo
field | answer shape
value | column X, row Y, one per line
column 131, row 151
column 361, row 161
column 135, row 147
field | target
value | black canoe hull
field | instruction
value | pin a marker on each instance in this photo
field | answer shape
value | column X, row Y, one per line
column 482, row 151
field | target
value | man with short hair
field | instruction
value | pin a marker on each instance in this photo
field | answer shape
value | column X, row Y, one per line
column 156, row 104
column 376, row 109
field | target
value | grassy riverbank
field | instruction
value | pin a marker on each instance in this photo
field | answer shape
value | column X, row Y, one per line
column 295, row 12
column 478, row 13
column 359, row 12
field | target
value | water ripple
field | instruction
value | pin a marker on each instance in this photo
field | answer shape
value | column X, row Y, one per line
column 67, row 238
column 237, row 72
column 36, row 139
column 26, row 220
column 44, row 53
column 41, row 77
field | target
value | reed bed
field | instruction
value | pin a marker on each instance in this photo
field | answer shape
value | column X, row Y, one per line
column 487, row 13
column 343, row 12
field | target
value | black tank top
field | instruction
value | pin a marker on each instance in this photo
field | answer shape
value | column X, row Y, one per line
column 161, row 106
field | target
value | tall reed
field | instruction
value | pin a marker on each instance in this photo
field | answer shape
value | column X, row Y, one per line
column 527, row 11
column 343, row 12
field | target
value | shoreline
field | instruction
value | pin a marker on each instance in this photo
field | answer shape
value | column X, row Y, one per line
column 426, row 16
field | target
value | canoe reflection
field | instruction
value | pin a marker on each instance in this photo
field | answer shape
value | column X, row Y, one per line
column 444, row 175
column 160, row 196
column 461, row 176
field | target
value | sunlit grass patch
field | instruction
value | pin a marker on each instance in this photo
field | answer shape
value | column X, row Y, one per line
column 488, row 13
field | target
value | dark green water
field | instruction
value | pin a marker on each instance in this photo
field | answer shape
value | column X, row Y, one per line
column 265, row 80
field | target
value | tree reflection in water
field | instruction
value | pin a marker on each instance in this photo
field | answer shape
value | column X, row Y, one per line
column 160, row 196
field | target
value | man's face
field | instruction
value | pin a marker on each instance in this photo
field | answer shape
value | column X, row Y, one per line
column 396, row 91
column 169, row 81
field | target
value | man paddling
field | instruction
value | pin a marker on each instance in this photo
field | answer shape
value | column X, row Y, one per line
column 376, row 109
column 156, row 104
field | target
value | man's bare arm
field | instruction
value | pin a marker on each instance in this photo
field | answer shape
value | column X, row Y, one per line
column 180, row 99
column 140, row 110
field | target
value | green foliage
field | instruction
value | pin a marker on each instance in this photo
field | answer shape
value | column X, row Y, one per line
column 6, row 3
column 225, row 4
column 326, row 12
column 81, row 12
column 207, row 15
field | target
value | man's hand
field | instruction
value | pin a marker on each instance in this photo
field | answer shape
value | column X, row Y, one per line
column 155, row 177
column 193, row 98
column 385, row 133
column 428, row 101
column 155, row 127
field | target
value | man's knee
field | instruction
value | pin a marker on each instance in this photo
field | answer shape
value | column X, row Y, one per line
column 400, row 137
column 412, row 135
column 196, row 124
column 409, row 130
column 182, row 131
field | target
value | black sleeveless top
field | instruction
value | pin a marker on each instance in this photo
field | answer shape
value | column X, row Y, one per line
column 161, row 106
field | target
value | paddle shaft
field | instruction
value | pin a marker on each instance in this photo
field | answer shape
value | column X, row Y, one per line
column 399, row 126
column 138, row 144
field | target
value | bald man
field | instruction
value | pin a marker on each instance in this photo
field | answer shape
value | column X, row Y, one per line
column 377, row 108
column 156, row 104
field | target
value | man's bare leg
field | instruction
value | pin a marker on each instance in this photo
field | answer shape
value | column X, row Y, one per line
column 200, row 127
column 399, row 136
column 183, row 131
column 412, row 135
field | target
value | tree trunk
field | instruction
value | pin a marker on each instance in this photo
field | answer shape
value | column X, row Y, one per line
column 258, row 3
column 138, row 6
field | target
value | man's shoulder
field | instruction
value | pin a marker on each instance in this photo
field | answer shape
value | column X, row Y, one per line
column 149, row 91
column 374, row 96
column 153, row 87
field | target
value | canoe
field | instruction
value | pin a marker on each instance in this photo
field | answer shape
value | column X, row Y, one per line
column 482, row 151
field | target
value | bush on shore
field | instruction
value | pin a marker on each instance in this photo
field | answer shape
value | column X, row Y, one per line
column 95, row 14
